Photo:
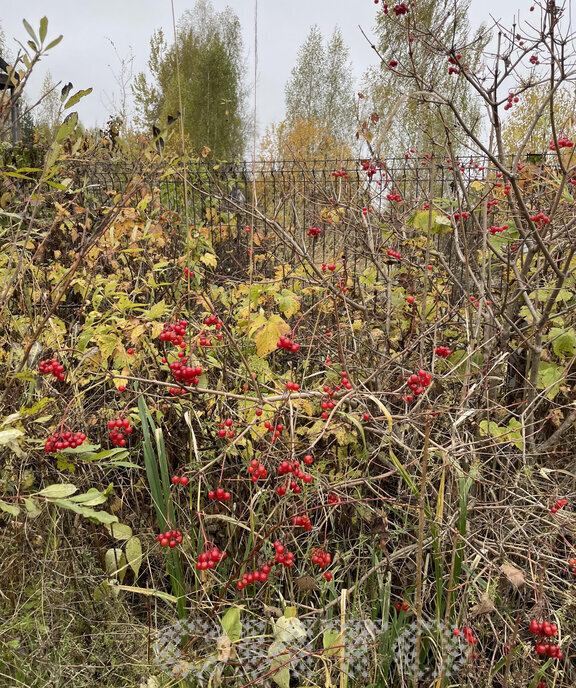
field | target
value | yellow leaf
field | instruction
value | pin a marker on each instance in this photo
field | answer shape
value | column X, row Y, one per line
column 267, row 334
column 209, row 259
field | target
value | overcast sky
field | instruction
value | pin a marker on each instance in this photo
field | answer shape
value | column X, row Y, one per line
column 86, row 57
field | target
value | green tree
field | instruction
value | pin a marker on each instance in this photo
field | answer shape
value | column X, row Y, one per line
column 418, row 118
column 210, row 60
column 321, row 87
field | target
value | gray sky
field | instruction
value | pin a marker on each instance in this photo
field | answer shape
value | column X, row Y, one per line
column 86, row 58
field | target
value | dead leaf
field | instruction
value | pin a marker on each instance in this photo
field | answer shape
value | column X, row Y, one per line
column 514, row 575
column 485, row 606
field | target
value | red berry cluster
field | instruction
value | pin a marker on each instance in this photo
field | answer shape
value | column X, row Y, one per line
column 180, row 480
column 540, row 219
column 274, row 429
column 209, row 558
column 402, row 606
column 314, row 231
column 327, row 404
column 220, row 495
column 545, row 631
column 455, row 61
column 257, row 470
column 288, row 344
column 189, row 375
column 563, row 142
column 118, row 428
column 213, row 320
column 226, row 429
column 369, row 168
column 188, row 272
column 170, row 538
column 52, row 366
column 321, row 557
column 496, row 230
column 292, row 386
column 394, row 197
column 63, row 440
column 283, row 556
column 260, row 575
column 511, row 99
column 394, row 254
column 443, row 351
column 174, row 333
column 327, row 575
column 340, row 174
column 417, row 382
column 572, row 565
column 469, row 636
column 535, row 61
column 302, row 522
column 560, row 504
column 292, row 467
column 463, row 215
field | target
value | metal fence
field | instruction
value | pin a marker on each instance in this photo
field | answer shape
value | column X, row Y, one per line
column 343, row 199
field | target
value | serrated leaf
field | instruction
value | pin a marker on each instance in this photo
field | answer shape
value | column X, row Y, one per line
column 563, row 342
column 119, row 531
column 11, row 509
column 231, row 624
column 288, row 302
column 549, row 377
column 67, row 127
column 134, row 554
column 288, row 629
column 114, row 563
column 209, row 259
column 157, row 310
column 76, row 97
column 267, row 334
column 58, row 491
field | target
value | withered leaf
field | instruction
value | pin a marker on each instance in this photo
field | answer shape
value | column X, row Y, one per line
column 485, row 606
column 514, row 575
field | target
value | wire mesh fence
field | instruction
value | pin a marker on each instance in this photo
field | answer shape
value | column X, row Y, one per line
column 328, row 209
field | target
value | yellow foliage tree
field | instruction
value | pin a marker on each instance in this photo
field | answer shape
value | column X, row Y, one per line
column 516, row 127
column 303, row 139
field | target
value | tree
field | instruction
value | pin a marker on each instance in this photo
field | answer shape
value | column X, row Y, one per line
column 47, row 114
column 417, row 121
column 209, row 56
column 321, row 86
column 520, row 121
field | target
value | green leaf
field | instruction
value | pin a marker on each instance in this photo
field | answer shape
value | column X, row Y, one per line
column 54, row 43
column 64, row 465
column 43, row 28
column 58, row 491
column 134, row 554
column 288, row 302
column 563, row 341
column 32, row 507
column 231, row 624
column 67, row 127
column 91, row 498
column 549, row 376
column 114, row 563
column 11, row 509
column 330, row 639
column 157, row 310
column 87, row 512
column 76, row 97
column 30, row 31
column 120, row 531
